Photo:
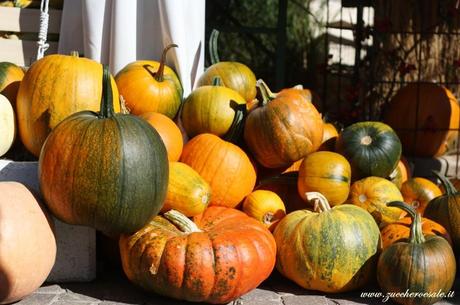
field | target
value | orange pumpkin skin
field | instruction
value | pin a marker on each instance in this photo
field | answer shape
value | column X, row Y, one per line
column 27, row 243
column 223, row 165
column 400, row 230
column 169, row 133
column 401, row 173
column 418, row 192
column 213, row 266
column 330, row 135
column 437, row 120
column 43, row 100
column 283, row 131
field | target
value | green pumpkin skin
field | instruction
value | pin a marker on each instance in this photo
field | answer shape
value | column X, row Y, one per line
column 104, row 170
column 333, row 251
column 372, row 148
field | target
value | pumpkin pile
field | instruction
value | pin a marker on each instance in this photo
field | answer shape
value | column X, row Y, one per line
column 208, row 193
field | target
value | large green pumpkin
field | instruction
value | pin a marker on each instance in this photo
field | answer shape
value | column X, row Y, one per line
column 330, row 250
column 104, row 170
column 445, row 210
column 372, row 148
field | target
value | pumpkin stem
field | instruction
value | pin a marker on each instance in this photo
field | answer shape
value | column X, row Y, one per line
column 74, row 53
column 416, row 233
column 159, row 75
column 181, row 221
column 320, row 202
column 106, row 110
column 217, row 81
column 264, row 92
column 236, row 129
column 213, row 54
column 448, row 186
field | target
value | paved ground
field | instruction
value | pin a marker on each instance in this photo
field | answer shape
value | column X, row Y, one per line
column 111, row 288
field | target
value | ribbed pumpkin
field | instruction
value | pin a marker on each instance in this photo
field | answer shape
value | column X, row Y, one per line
column 10, row 78
column 372, row 194
column 150, row 86
column 431, row 118
column 423, row 264
column 27, row 243
column 329, row 250
column 265, row 206
column 327, row 173
column 401, row 173
column 104, row 170
column 7, row 125
column 225, row 166
column 212, row 109
column 283, row 130
column 372, row 148
column 234, row 75
column 220, row 256
column 169, row 133
column 418, row 192
column 188, row 193
column 445, row 210
column 53, row 88
column 400, row 230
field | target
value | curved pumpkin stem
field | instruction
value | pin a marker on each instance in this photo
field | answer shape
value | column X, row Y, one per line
column 213, row 54
column 448, row 186
column 265, row 93
column 160, row 73
column 181, row 221
column 235, row 131
column 416, row 232
column 319, row 201
column 217, row 81
column 106, row 110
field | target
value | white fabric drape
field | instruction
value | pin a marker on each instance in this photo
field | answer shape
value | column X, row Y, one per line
column 117, row 32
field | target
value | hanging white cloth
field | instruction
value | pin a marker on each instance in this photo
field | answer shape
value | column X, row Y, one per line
column 117, row 32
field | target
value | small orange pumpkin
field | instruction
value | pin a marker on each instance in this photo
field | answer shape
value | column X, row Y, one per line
column 225, row 166
column 330, row 135
column 418, row 192
column 265, row 206
column 169, row 133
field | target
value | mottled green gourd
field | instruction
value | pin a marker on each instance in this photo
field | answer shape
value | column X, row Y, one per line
column 104, row 170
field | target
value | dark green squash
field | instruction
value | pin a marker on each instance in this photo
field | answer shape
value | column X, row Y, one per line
column 445, row 210
column 104, row 170
column 372, row 148
column 423, row 264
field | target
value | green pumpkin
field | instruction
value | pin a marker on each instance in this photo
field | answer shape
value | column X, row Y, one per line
column 233, row 75
column 423, row 264
column 104, row 170
column 372, row 148
column 329, row 250
column 445, row 210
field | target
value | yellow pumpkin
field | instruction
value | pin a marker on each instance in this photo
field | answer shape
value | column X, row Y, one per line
column 188, row 192
column 372, row 194
column 7, row 125
column 265, row 206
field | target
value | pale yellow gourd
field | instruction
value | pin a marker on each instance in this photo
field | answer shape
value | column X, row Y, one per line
column 7, row 125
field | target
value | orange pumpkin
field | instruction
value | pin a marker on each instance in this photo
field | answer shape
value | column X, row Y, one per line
column 27, row 243
column 225, row 166
column 431, row 118
column 169, row 133
column 217, row 258
column 401, row 173
column 400, row 230
column 418, row 192
column 330, row 135
column 284, row 129
column 53, row 88
column 150, row 86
